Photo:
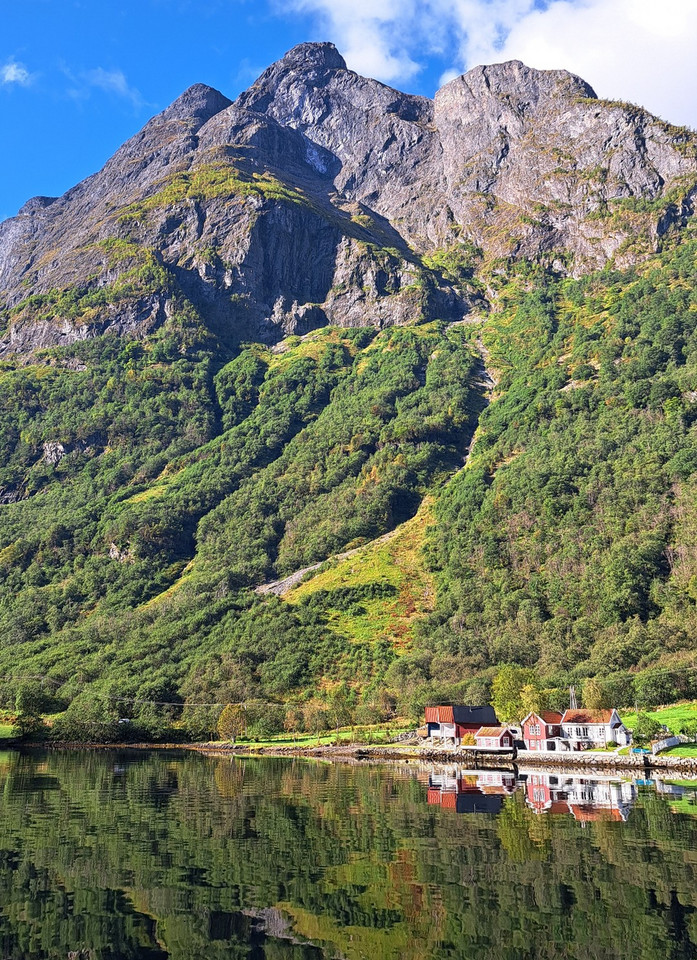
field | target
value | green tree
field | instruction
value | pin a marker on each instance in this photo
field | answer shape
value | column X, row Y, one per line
column 90, row 718
column 231, row 722
column 595, row 695
column 316, row 718
column 29, row 704
column 533, row 699
column 654, row 689
column 646, row 729
column 507, row 692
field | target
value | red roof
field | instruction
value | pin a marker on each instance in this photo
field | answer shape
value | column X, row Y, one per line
column 497, row 732
column 587, row 716
column 550, row 716
column 439, row 715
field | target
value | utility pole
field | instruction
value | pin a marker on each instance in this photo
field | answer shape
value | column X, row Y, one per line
column 573, row 705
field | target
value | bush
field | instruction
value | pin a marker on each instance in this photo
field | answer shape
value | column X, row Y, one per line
column 90, row 720
column 646, row 729
column 29, row 727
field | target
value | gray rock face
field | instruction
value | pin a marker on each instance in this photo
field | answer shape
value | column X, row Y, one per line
column 318, row 196
column 54, row 451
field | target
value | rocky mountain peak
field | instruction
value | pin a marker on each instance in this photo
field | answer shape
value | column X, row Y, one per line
column 200, row 102
column 520, row 83
column 320, row 196
column 307, row 65
column 305, row 56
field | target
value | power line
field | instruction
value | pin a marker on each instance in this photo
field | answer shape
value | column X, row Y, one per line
column 37, row 676
column 170, row 703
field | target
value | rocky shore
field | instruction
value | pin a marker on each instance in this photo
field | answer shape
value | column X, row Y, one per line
column 524, row 760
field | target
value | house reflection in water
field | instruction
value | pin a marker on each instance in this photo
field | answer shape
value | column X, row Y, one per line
column 585, row 799
column 480, row 791
column 484, row 791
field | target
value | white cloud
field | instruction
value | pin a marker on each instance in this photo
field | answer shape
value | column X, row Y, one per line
column 113, row 81
column 638, row 50
column 84, row 83
column 13, row 72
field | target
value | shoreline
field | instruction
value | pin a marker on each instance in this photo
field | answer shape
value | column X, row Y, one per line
column 357, row 753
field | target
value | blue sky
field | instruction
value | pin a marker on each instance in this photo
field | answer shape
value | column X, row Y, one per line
column 78, row 77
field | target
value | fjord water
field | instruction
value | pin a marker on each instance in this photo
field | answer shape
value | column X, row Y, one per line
column 123, row 854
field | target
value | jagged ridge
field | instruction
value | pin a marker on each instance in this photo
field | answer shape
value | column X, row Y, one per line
column 315, row 197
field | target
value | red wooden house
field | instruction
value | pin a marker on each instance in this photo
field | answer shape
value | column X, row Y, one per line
column 541, row 729
column 456, row 722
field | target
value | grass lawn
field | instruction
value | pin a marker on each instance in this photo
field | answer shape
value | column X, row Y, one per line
column 377, row 734
column 685, row 750
column 673, row 717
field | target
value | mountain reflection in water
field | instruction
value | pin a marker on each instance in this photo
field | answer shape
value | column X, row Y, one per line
column 120, row 854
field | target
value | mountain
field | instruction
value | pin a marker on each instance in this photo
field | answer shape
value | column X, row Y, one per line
column 449, row 342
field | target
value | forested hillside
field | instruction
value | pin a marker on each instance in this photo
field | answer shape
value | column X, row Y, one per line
column 279, row 430
column 569, row 542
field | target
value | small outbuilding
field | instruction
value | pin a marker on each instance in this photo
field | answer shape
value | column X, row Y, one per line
column 494, row 738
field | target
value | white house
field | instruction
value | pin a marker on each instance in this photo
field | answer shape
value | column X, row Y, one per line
column 594, row 728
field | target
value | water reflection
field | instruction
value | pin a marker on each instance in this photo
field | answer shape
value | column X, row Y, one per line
column 584, row 798
column 475, row 791
column 117, row 854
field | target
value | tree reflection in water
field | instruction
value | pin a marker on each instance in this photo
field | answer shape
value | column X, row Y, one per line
column 111, row 854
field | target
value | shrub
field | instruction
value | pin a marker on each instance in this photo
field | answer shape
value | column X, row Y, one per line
column 646, row 729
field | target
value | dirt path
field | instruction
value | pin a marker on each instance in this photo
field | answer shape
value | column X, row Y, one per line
column 279, row 587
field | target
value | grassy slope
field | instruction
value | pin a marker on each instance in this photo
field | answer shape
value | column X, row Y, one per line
column 673, row 717
column 268, row 462
column 398, row 562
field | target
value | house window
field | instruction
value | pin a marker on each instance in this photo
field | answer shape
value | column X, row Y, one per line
column 534, row 729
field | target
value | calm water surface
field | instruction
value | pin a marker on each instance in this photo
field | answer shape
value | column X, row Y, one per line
column 113, row 854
